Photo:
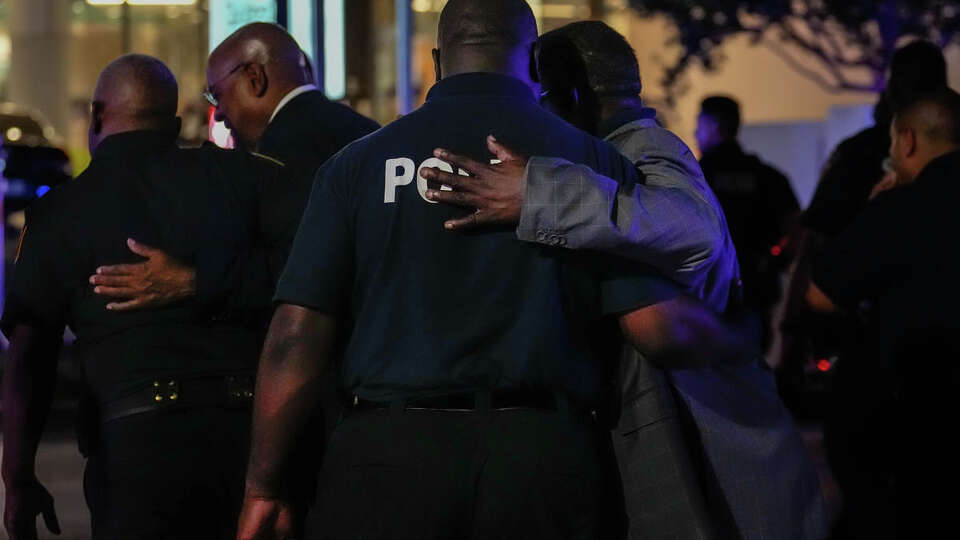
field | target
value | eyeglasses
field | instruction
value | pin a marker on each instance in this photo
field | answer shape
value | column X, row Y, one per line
column 209, row 93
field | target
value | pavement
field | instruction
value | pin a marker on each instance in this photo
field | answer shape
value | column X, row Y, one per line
column 60, row 469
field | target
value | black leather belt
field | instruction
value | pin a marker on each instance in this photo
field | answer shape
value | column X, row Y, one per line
column 494, row 400
column 166, row 393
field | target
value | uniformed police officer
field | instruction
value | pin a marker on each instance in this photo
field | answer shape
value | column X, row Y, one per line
column 477, row 430
column 172, row 385
column 759, row 203
column 260, row 83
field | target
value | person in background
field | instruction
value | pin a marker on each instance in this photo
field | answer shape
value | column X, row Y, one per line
column 166, row 425
column 758, row 202
column 857, row 168
column 888, row 432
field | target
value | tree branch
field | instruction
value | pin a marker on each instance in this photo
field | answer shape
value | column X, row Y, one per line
column 834, row 87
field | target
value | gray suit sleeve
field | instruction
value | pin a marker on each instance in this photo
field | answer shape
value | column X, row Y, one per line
column 671, row 222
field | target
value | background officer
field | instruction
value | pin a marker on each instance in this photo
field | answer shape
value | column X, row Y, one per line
column 477, row 430
column 758, row 202
column 171, row 385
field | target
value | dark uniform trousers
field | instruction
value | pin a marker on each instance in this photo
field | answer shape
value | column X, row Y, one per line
column 140, row 484
column 516, row 473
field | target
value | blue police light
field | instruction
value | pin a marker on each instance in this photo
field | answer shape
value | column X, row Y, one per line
column 42, row 190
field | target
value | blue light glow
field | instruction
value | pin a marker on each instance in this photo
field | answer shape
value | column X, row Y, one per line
column 301, row 23
column 42, row 190
column 334, row 56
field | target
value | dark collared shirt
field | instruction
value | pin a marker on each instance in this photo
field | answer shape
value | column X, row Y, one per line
column 193, row 204
column 896, row 263
column 435, row 311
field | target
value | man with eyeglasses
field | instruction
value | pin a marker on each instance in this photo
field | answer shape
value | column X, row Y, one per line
column 260, row 82
column 168, row 389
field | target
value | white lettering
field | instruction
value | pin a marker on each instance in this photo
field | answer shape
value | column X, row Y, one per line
column 399, row 172
column 422, row 182
column 392, row 178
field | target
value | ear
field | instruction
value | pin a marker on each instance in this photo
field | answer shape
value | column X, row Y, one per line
column 908, row 137
column 96, row 117
column 436, row 63
column 257, row 76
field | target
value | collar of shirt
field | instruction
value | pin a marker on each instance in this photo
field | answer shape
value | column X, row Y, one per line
column 943, row 166
column 134, row 143
column 290, row 95
column 483, row 84
column 623, row 117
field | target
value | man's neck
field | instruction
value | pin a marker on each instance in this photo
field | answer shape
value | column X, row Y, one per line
column 612, row 107
column 468, row 61
column 288, row 97
column 616, row 110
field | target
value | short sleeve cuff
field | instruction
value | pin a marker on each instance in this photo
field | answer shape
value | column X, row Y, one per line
column 630, row 293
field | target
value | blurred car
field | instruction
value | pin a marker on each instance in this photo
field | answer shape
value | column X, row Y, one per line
column 32, row 159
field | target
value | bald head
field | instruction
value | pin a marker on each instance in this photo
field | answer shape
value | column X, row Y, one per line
column 266, row 43
column 133, row 92
column 935, row 116
column 923, row 129
column 486, row 36
column 250, row 73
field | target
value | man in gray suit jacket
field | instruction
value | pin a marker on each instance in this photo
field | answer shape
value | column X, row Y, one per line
column 741, row 471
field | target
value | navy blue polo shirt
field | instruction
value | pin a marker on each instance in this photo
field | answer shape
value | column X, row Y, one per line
column 435, row 311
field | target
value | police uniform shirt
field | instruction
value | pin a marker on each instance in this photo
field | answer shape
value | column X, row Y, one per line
column 435, row 311
column 894, row 265
column 193, row 204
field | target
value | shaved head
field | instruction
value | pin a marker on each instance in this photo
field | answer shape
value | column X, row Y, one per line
column 923, row 129
column 138, row 87
column 265, row 42
column 935, row 116
column 133, row 92
column 486, row 35
column 250, row 72
column 492, row 23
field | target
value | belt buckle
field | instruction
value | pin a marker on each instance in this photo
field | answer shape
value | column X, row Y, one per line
column 166, row 391
column 240, row 388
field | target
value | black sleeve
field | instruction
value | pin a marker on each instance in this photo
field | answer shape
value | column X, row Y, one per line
column 844, row 187
column 36, row 294
column 867, row 258
column 627, row 286
column 238, row 281
column 319, row 272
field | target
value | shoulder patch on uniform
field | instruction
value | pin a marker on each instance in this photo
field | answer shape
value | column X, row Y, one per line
column 268, row 158
column 23, row 233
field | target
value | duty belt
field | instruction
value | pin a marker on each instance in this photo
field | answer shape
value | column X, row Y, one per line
column 168, row 393
column 480, row 400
